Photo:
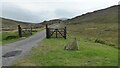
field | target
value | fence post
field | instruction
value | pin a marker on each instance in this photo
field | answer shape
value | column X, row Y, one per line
column 31, row 30
column 65, row 33
column 56, row 30
column 19, row 31
column 47, row 32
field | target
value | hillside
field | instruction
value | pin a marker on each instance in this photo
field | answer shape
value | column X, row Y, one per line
column 12, row 24
column 8, row 23
column 107, row 15
column 100, row 26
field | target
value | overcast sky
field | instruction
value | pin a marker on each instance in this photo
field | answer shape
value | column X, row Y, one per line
column 37, row 11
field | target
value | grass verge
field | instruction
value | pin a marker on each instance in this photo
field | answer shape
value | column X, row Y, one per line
column 50, row 52
column 10, row 37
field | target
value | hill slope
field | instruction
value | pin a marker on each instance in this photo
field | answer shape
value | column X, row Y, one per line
column 99, row 26
column 8, row 23
column 108, row 15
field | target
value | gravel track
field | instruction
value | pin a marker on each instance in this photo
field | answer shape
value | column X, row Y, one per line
column 22, row 47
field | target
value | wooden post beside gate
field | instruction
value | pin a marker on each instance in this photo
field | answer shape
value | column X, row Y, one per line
column 65, row 33
column 56, row 30
column 47, row 32
column 25, row 32
column 19, row 31
column 31, row 30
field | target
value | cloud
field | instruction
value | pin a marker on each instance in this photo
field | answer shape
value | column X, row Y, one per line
column 40, row 10
column 63, row 13
column 15, row 12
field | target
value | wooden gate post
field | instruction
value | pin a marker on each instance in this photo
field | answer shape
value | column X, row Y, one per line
column 31, row 30
column 65, row 33
column 47, row 32
column 56, row 31
column 19, row 31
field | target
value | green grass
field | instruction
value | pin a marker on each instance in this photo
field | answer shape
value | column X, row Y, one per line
column 50, row 52
column 6, row 34
column 11, row 40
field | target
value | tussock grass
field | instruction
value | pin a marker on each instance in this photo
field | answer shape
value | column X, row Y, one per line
column 105, row 32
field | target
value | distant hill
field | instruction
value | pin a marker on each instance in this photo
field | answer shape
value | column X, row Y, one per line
column 8, row 23
column 63, row 19
column 52, row 21
column 107, row 15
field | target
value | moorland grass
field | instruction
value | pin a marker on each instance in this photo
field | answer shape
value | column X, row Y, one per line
column 106, row 32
